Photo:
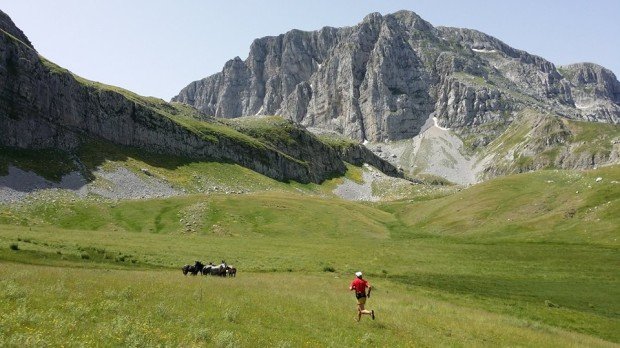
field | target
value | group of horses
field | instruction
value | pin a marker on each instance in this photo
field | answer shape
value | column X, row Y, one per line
column 222, row 270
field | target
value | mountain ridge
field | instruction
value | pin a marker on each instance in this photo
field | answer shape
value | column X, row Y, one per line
column 380, row 80
column 391, row 72
column 45, row 106
column 384, row 78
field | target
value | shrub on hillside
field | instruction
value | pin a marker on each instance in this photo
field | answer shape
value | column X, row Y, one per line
column 329, row 269
column 14, row 246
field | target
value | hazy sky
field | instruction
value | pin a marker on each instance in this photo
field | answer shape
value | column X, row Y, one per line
column 156, row 47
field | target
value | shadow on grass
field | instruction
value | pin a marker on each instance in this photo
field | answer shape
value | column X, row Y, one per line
column 594, row 296
column 27, row 170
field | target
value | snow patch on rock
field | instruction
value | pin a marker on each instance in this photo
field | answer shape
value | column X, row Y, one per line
column 483, row 50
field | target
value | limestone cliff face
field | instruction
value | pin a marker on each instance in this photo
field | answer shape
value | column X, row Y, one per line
column 383, row 78
column 595, row 91
column 339, row 79
column 45, row 106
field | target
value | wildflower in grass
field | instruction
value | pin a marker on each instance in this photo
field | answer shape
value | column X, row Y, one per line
column 11, row 290
column 284, row 344
column 202, row 335
column 226, row 339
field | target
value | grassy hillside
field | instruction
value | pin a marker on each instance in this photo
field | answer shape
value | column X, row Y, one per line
column 179, row 129
column 546, row 141
column 188, row 175
column 193, row 176
column 552, row 206
column 521, row 260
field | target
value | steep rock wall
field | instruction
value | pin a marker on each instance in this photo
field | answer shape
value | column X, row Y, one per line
column 381, row 79
column 45, row 106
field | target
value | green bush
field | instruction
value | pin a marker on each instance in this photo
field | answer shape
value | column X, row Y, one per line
column 329, row 269
column 14, row 246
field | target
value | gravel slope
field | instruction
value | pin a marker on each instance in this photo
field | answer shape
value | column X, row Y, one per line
column 435, row 151
column 117, row 184
column 377, row 186
column 353, row 191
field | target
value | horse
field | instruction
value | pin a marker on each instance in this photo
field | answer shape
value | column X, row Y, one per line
column 193, row 269
column 198, row 266
column 206, row 270
column 231, row 271
column 187, row 269
column 219, row 270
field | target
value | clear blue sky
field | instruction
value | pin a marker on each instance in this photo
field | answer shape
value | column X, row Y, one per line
column 156, row 47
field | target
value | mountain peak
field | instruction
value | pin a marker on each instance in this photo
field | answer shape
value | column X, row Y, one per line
column 372, row 17
column 383, row 78
column 7, row 25
column 411, row 19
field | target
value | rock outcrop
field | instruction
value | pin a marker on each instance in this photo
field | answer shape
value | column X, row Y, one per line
column 595, row 91
column 382, row 79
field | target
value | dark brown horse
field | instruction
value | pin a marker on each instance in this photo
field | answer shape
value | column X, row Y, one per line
column 231, row 271
column 193, row 269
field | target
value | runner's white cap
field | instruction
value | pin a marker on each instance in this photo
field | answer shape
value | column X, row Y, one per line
column 358, row 274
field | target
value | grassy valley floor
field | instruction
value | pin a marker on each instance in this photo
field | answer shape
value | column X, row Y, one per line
column 521, row 260
column 78, row 306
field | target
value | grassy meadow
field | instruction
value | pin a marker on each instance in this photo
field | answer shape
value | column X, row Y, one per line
column 524, row 260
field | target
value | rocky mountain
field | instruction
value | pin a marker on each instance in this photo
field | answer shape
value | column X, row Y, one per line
column 384, row 78
column 44, row 106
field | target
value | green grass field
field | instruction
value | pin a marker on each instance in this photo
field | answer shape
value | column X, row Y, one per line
column 524, row 260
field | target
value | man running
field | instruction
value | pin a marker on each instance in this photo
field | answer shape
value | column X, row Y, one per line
column 359, row 285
